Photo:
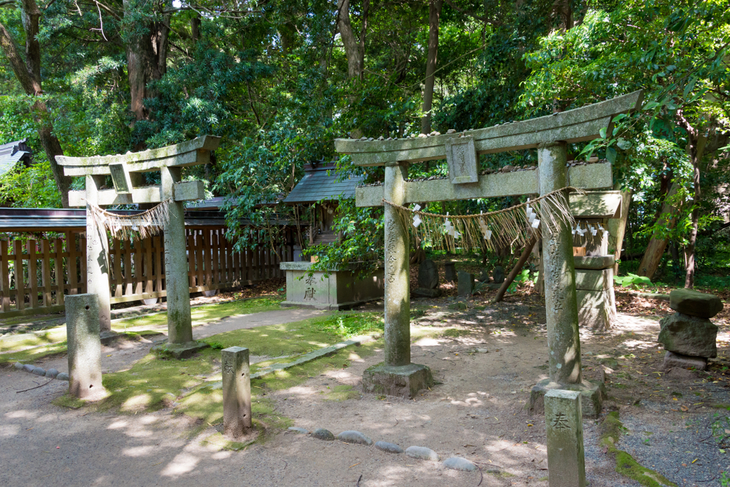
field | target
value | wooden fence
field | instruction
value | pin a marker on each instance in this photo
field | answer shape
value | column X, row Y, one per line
column 36, row 274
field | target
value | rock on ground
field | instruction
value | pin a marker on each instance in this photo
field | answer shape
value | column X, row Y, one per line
column 689, row 335
column 422, row 453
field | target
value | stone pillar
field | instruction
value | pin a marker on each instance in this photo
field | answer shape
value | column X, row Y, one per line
column 561, row 307
column 236, row 391
column 397, row 376
column 97, row 257
column 84, row 346
column 564, row 421
column 397, row 275
column 179, row 324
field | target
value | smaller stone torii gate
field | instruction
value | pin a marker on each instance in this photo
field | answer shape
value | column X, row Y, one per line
column 125, row 171
column 550, row 136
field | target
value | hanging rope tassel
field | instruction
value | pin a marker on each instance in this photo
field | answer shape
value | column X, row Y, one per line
column 515, row 225
column 123, row 227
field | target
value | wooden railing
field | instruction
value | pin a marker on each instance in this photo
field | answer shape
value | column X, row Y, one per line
column 36, row 274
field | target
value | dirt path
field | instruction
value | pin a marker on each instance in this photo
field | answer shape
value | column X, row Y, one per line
column 484, row 370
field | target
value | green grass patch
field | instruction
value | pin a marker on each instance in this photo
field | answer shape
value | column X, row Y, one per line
column 342, row 393
column 454, row 333
column 201, row 315
column 33, row 354
column 29, row 340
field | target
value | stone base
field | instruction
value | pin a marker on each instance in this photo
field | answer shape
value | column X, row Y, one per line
column 678, row 361
column 178, row 350
column 328, row 306
column 592, row 395
column 391, row 380
column 422, row 292
column 109, row 337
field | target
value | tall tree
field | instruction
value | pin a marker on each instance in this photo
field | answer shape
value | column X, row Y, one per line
column 434, row 14
column 28, row 74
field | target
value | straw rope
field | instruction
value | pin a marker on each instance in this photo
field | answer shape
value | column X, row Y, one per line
column 515, row 225
column 123, row 227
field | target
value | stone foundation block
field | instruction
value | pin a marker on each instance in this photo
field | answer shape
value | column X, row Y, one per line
column 678, row 361
column 594, row 262
column 391, row 380
column 592, row 396
column 179, row 350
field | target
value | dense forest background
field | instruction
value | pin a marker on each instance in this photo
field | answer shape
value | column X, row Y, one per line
column 279, row 80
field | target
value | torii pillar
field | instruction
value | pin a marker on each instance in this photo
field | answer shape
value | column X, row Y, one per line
column 124, row 170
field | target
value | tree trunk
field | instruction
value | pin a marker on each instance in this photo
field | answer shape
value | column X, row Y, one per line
column 697, row 150
column 28, row 74
column 434, row 14
column 513, row 273
column 354, row 48
column 146, row 60
column 657, row 244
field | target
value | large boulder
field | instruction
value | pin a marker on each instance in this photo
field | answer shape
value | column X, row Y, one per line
column 689, row 335
column 694, row 303
column 428, row 275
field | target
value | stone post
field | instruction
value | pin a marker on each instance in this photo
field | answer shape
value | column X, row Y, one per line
column 97, row 257
column 561, row 306
column 236, row 391
column 564, row 421
column 179, row 324
column 84, row 346
column 397, row 275
column 397, row 376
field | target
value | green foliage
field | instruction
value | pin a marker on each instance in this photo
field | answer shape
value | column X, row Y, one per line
column 353, row 324
column 632, row 280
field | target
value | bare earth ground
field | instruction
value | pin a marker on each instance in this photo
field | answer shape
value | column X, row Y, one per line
column 485, row 367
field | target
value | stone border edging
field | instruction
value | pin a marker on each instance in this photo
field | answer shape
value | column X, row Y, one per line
column 418, row 452
column 39, row 371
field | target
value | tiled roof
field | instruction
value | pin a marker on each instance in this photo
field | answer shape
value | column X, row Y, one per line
column 11, row 153
column 321, row 183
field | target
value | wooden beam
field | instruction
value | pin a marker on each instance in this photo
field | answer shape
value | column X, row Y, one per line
column 184, row 191
column 578, row 125
column 589, row 176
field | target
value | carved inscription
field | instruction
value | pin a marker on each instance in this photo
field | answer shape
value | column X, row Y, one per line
column 391, row 227
column 560, row 421
column 310, row 291
column 462, row 158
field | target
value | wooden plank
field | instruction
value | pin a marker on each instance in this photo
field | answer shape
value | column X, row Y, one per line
column 46, row 273
column 59, row 268
column 83, row 277
column 215, row 236
column 19, row 278
column 71, row 265
column 33, row 272
column 5, row 276
column 128, row 273
column 116, row 254
column 208, row 256
column 199, row 258
column 191, row 258
column 138, row 277
column 157, row 249
column 147, row 270
column 33, row 311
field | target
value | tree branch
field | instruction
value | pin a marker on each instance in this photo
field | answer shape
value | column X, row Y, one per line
column 16, row 61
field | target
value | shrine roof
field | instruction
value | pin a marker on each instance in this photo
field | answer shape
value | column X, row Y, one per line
column 11, row 153
column 321, row 183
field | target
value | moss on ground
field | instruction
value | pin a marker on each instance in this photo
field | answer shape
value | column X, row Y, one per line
column 342, row 393
column 201, row 315
column 626, row 465
column 192, row 386
column 29, row 340
column 454, row 332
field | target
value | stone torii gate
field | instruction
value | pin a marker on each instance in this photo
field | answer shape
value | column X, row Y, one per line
column 550, row 136
column 125, row 171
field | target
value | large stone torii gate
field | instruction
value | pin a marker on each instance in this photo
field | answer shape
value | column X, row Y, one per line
column 125, row 170
column 550, row 136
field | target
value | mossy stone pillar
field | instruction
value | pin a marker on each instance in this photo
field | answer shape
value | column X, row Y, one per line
column 179, row 323
column 397, row 272
column 561, row 303
column 84, row 346
column 97, row 257
column 236, row 391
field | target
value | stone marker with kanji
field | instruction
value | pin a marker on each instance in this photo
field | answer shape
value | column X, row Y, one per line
column 550, row 136
column 564, row 425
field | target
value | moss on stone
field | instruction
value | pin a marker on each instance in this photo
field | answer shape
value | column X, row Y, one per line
column 611, row 429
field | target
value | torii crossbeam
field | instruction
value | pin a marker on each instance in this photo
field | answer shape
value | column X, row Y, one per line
column 550, row 136
column 125, row 170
